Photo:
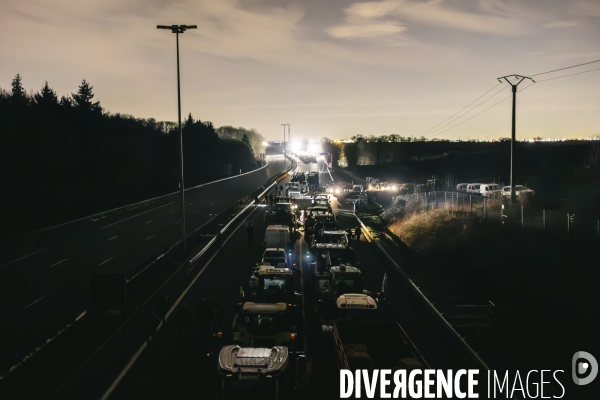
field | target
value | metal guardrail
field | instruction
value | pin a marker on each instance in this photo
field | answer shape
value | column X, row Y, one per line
column 429, row 305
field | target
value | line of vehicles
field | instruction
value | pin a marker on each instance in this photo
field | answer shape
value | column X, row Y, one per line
column 492, row 189
column 432, row 185
column 265, row 357
column 302, row 182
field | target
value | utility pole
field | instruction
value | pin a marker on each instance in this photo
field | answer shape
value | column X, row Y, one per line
column 284, row 153
column 512, row 139
column 177, row 29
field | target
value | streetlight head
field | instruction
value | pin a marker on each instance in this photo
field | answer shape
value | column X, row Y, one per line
column 177, row 28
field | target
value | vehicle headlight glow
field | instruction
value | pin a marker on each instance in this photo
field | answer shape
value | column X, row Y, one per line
column 393, row 187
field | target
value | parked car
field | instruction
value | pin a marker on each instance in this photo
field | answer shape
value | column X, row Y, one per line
column 473, row 188
column 462, row 187
column 490, row 189
column 519, row 190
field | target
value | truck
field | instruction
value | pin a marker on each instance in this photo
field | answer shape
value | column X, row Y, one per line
column 321, row 200
column 270, row 284
column 268, row 325
column 281, row 214
column 254, row 373
column 331, row 236
column 334, row 271
column 277, row 236
column 278, row 257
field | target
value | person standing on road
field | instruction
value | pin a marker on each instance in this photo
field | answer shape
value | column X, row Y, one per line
column 217, row 316
column 358, row 232
column 281, row 190
column 162, row 306
column 250, row 232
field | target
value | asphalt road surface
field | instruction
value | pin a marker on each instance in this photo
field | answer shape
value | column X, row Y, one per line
column 175, row 365
column 44, row 284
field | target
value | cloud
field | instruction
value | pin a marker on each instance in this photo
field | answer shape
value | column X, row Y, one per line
column 366, row 30
column 367, row 20
column 561, row 24
column 586, row 8
column 384, row 18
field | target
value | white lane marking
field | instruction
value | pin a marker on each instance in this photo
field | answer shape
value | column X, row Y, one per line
column 114, row 237
column 213, row 204
column 171, row 212
column 190, row 204
column 178, row 222
column 80, row 316
column 133, row 359
column 24, row 257
column 104, row 262
column 137, row 215
column 34, row 302
column 148, row 222
column 196, row 212
column 150, row 237
column 53, row 265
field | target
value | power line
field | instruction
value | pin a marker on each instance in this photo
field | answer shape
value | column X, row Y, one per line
column 563, row 76
column 531, row 84
column 560, row 69
column 456, row 119
column 481, row 112
column 460, row 110
column 442, row 124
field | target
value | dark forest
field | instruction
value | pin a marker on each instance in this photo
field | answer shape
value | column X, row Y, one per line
column 65, row 158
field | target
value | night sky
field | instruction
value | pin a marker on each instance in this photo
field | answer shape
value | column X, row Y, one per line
column 333, row 68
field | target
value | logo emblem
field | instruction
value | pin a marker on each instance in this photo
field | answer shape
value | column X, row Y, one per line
column 584, row 363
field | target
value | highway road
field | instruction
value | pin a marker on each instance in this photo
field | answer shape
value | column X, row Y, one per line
column 174, row 364
column 44, row 284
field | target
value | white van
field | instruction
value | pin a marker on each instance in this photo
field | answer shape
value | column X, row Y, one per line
column 357, row 189
column 277, row 236
column 490, row 190
column 473, row 188
column 462, row 187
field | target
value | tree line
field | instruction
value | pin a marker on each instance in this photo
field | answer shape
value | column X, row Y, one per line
column 65, row 158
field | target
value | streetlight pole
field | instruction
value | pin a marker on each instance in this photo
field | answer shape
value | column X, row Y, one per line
column 284, row 153
column 514, row 116
column 177, row 29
